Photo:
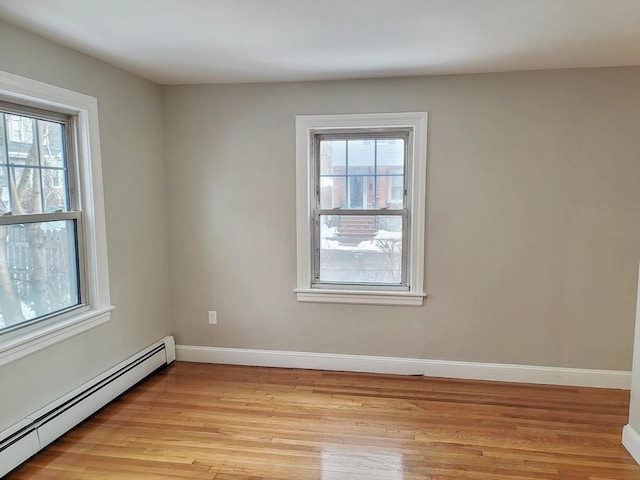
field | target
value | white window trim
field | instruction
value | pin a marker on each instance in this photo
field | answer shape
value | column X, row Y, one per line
column 29, row 339
column 306, row 126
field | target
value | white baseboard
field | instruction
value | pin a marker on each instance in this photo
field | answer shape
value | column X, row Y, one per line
column 308, row 360
column 407, row 366
column 631, row 441
column 575, row 377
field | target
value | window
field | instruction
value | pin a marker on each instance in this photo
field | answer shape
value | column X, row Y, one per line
column 41, row 220
column 361, row 183
column 53, row 264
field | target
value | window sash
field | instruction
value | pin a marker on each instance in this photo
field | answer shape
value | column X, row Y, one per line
column 70, row 126
column 76, row 217
column 361, row 134
column 78, row 261
column 384, row 212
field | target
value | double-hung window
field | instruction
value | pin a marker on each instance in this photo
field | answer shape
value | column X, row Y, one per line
column 40, row 219
column 54, row 281
column 360, row 220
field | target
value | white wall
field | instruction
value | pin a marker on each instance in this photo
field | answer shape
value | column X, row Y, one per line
column 130, row 112
column 533, row 218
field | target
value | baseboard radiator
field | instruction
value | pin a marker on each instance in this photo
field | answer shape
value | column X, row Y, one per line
column 27, row 437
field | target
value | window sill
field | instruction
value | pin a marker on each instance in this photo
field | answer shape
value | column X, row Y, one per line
column 358, row 297
column 23, row 344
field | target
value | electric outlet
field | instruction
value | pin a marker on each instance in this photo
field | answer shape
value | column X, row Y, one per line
column 213, row 318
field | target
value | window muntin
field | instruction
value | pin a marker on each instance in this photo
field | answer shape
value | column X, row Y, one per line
column 40, row 219
column 360, row 233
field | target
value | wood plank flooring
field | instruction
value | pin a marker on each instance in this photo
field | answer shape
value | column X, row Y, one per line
column 200, row 421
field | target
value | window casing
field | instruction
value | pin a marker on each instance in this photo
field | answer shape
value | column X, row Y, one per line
column 361, row 183
column 55, row 228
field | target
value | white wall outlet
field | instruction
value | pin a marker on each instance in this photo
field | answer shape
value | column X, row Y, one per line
column 213, row 318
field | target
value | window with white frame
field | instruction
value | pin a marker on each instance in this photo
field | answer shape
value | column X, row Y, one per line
column 53, row 261
column 361, row 183
column 40, row 217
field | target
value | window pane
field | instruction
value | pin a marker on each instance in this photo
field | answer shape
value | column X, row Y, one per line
column 333, row 192
column 361, row 156
column 390, row 156
column 391, row 191
column 21, row 143
column 361, row 249
column 333, row 157
column 54, row 189
column 361, row 192
column 3, row 139
column 52, row 145
column 38, row 260
column 27, row 187
column 4, row 190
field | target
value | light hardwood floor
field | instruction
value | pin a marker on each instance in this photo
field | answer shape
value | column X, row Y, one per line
column 200, row 421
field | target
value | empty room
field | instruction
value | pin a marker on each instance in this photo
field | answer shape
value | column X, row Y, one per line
column 320, row 239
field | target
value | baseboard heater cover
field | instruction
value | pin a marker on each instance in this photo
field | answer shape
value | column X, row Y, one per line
column 27, row 437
